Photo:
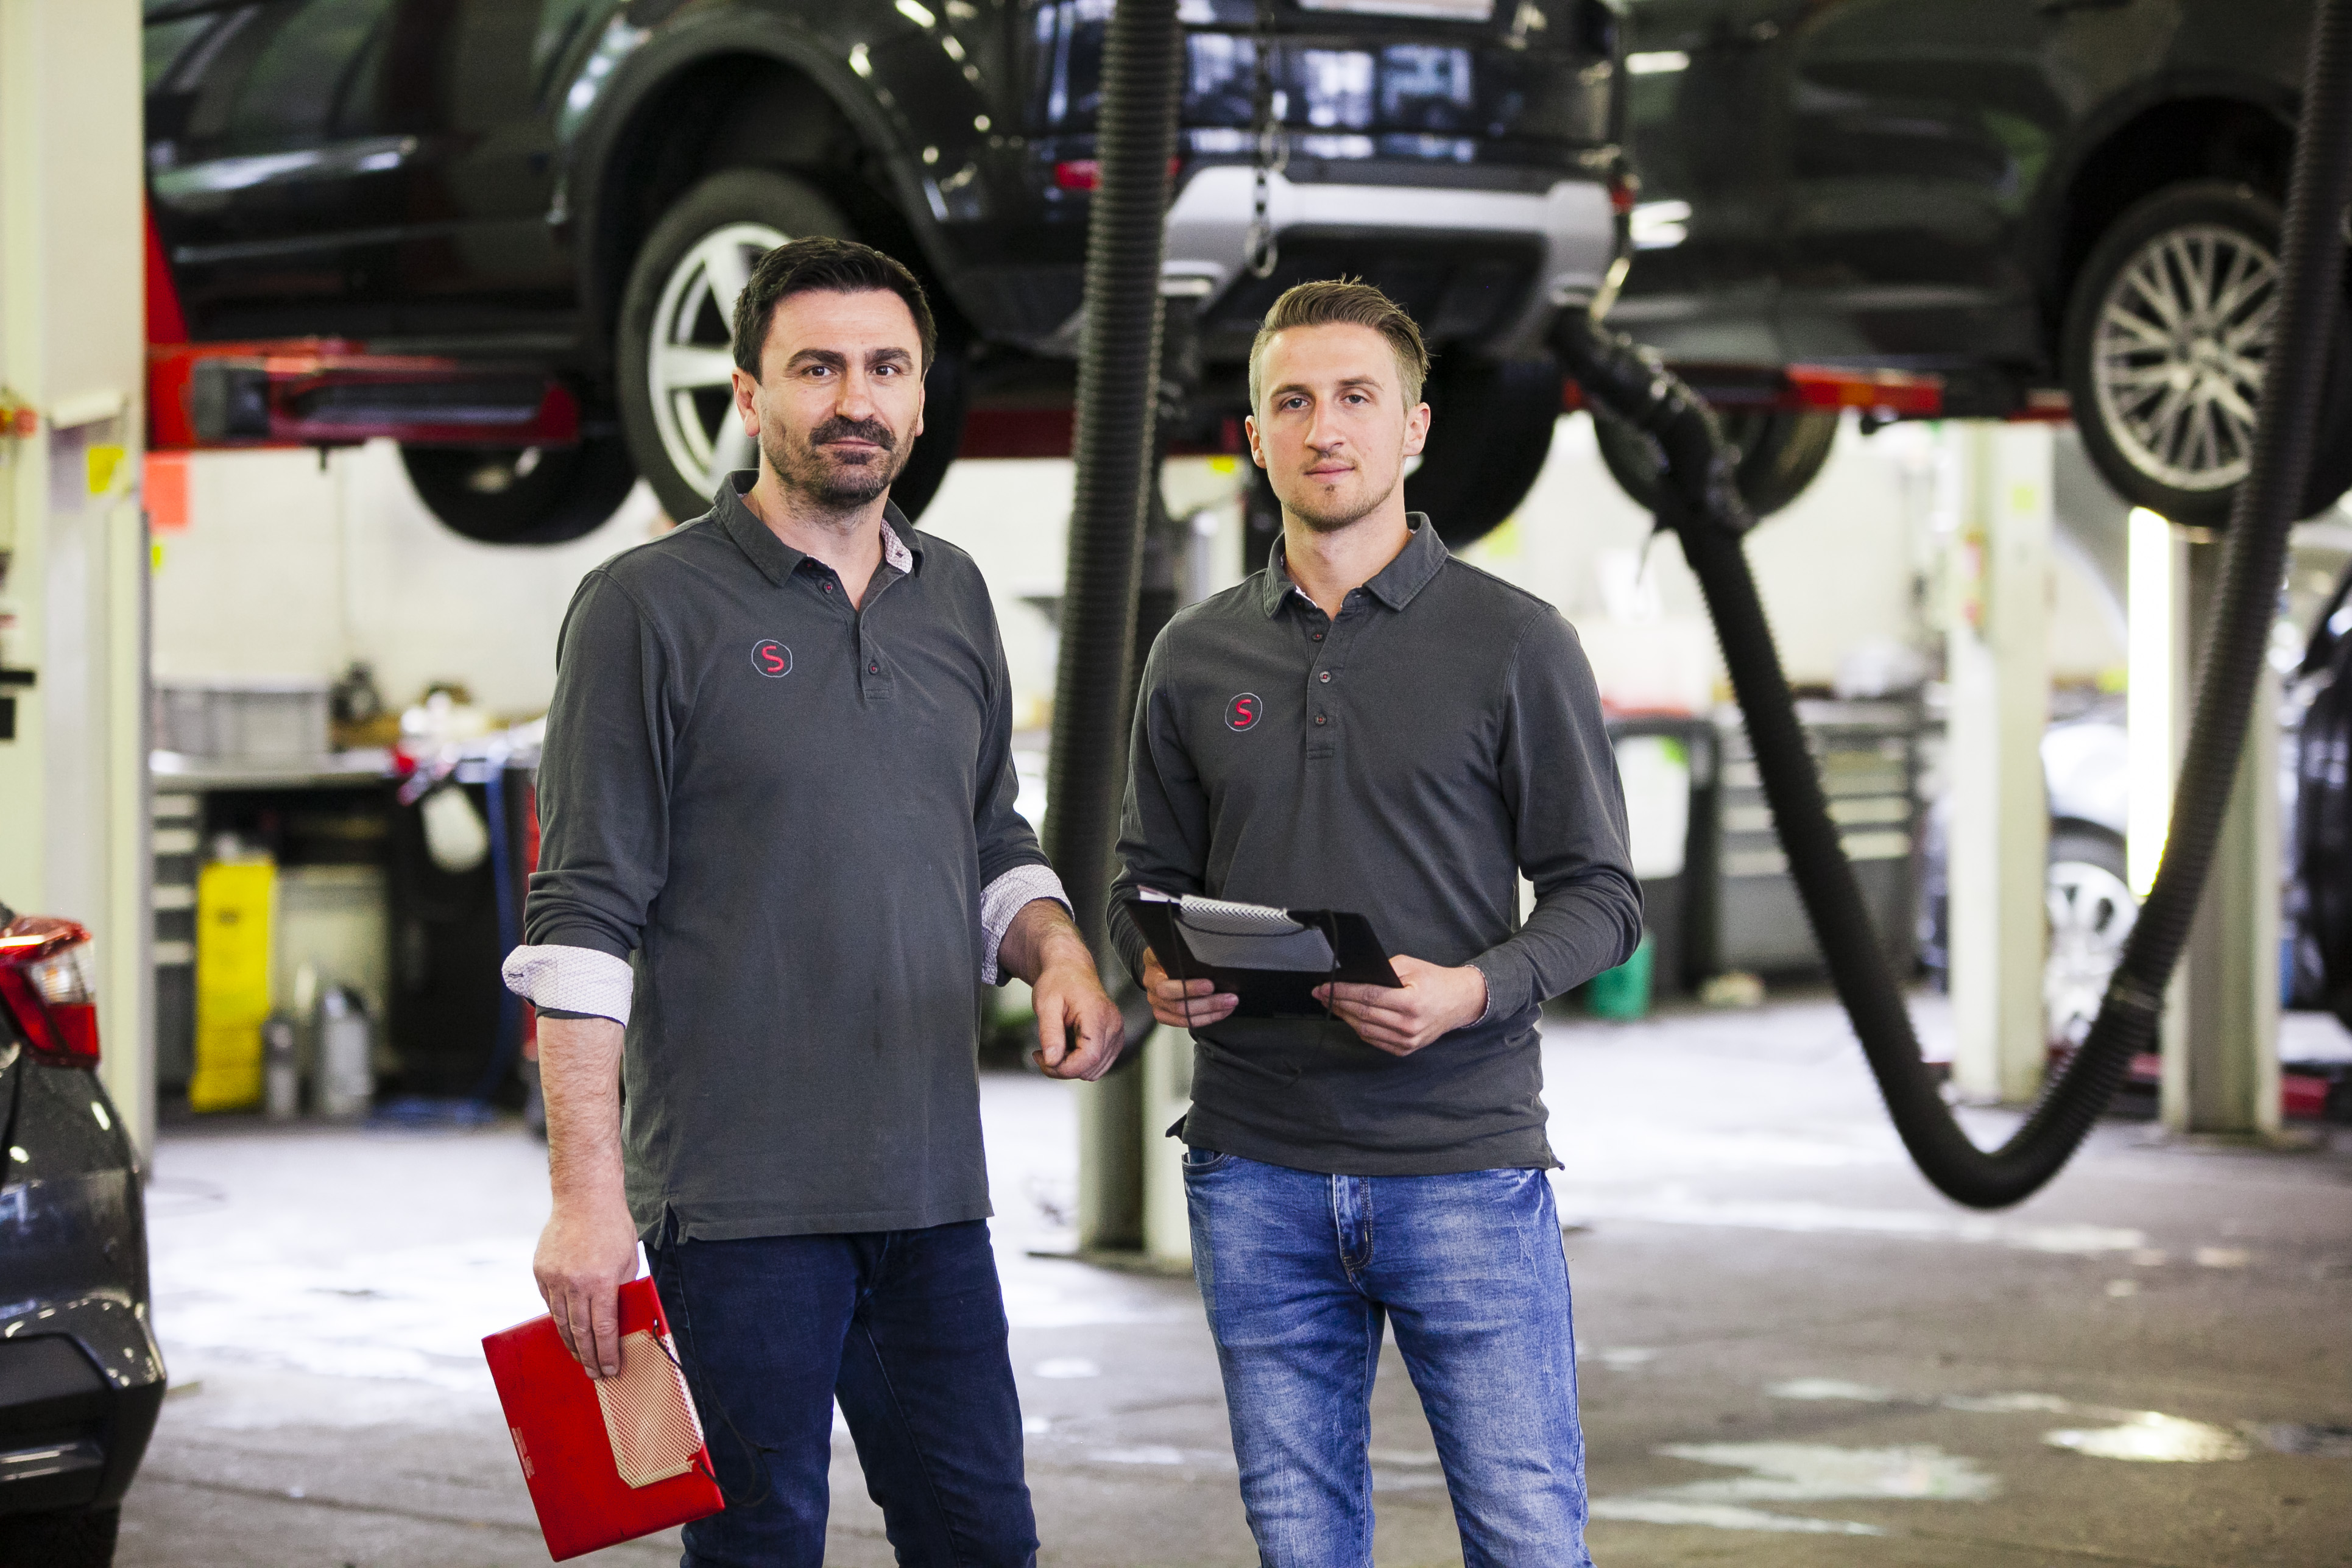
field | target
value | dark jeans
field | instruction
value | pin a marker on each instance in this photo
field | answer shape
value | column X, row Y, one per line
column 905, row 1328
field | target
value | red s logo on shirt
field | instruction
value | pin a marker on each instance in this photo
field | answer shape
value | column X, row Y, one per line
column 1244, row 712
column 771, row 659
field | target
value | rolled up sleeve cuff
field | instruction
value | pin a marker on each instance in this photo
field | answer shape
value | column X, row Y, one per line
column 1004, row 899
column 1503, row 998
column 571, row 980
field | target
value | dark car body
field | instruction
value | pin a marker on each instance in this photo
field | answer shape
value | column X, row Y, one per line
column 475, row 176
column 80, row 1376
column 1916, row 184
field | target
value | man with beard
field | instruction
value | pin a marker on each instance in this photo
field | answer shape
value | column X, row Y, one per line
column 779, row 854
column 1369, row 724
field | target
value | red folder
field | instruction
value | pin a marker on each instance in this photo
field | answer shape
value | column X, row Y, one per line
column 606, row 1460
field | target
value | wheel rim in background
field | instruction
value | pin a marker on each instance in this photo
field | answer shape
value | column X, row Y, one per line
column 690, row 355
column 2177, row 354
column 2092, row 912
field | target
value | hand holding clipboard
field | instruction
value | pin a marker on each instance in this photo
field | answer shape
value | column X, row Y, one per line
column 1272, row 964
column 1270, row 960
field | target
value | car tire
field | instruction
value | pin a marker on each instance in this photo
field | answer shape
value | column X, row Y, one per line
column 65, row 1538
column 2092, row 911
column 1780, row 453
column 1490, row 429
column 2137, row 390
column 676, row 401
column 531, row 495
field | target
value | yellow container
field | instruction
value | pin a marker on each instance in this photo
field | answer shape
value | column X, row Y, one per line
column 233, row 910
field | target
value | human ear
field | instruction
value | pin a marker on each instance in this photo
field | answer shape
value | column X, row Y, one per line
column 747, row 405
column 1416, row 430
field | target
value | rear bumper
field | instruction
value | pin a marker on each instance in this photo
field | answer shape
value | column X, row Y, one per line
column 1569, row 230
column 77, row 1405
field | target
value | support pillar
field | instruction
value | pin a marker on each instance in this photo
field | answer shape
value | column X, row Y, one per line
column 73, row 351
column 1166, row 1075
column 2155, row 722
column 1110, row 1163
column 2220, row 1064
column 1998, row 667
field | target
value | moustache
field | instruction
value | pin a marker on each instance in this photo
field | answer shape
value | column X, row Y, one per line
column 838, row 428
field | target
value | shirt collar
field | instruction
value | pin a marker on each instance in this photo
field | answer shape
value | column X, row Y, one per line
column 902, row 548
column 1393, row 584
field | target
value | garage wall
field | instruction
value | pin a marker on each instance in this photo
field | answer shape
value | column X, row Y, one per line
column 1842, row 567
column 291, row 568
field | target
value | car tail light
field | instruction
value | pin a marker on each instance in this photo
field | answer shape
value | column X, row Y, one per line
column 45, row 982
column 1086, row 174
column 1625, row 191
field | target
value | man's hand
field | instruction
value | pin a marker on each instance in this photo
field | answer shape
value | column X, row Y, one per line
column 1043, row 947
column 1433, row 1001
column 589, row 1249
column 1184, row 1003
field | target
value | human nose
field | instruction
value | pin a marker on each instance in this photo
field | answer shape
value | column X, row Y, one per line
column 856, row 398
column 1323, row 432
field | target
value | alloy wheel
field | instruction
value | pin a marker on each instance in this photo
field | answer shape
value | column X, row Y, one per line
column 2092, row 912
column 691, row 354
column 2178, row 354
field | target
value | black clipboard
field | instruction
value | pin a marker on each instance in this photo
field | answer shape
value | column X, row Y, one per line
column 1359, row 958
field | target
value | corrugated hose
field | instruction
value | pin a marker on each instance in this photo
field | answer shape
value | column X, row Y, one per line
column 1702, row 507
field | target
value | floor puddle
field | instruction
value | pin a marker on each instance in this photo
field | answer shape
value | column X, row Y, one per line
column 1798, row 1473
column 2145, row 1436
column 2151, row 1437
column 2321, row 1442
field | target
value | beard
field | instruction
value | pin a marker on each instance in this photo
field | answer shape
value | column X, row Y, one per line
column 835, row 481
column 1342, row 512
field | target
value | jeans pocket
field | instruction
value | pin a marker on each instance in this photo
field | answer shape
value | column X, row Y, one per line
column 1205, row 1162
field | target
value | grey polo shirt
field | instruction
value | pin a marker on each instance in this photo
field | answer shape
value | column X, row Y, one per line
column 786, row 814
column 1407, row 760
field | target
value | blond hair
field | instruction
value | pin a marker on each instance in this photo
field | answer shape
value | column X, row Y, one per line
column 1344, row 301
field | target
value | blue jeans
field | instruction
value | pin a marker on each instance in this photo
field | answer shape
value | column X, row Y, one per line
column 1300, row 1272
column 906, row 1329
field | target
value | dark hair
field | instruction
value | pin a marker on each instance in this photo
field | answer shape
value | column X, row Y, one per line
column 830, row 266
column 1348, row 301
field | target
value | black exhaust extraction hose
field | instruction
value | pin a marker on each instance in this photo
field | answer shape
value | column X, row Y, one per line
column 1119, row 383
column 1699, row 503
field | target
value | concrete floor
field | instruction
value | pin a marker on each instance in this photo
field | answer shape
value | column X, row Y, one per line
column 1794, row 1351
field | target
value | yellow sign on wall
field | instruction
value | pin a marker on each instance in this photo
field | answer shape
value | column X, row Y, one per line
column 233, row 910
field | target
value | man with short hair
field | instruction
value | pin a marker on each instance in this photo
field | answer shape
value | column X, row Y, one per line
column 1369, row 724
column 780, row 850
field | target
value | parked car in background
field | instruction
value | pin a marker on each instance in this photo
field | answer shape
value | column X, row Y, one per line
column 510, row 233
column 2050, row 204
column 2091, row 908
column 80, row 1375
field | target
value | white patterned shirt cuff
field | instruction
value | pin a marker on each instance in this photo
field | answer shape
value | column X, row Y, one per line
column 1005, row 898
column 571, row 980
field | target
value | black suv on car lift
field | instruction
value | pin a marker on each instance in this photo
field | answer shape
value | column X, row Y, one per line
column 2046, row 203
column 514, row 228
column 80, row 1376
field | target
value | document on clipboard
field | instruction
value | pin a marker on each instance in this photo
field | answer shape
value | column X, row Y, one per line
column 1271, row 959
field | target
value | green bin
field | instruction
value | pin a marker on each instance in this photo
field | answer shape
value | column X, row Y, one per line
column 1623, row 993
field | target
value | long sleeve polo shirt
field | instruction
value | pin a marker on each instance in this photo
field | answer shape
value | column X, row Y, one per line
column 792, row 818
column 1407, row 760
